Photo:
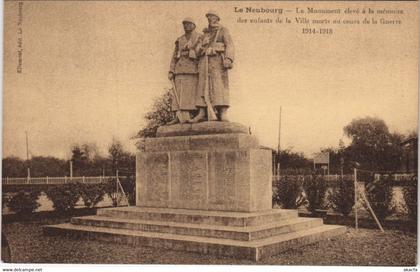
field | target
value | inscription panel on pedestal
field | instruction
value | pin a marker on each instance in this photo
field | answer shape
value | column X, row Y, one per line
column 224, row 180
column 189, row 180
column 222, row 183
column 156, row 178
column 140, row 177
column 242, row 180
column 193, row 174
column 261, row 179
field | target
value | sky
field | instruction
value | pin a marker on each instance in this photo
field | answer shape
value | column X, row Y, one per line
column 91, row 70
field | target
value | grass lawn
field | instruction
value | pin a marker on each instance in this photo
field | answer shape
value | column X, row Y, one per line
column 362, row 247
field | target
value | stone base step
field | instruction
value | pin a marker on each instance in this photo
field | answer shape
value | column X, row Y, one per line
column 254, row 250
column 222, row 218
column 247, row 233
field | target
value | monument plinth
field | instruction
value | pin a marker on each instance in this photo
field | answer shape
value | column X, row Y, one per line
column 209, row 194
column 223, row 172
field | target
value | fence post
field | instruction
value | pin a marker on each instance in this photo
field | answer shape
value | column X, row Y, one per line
column 116, row 183
column 355, row 198
column 372, row 212
column 83, row 179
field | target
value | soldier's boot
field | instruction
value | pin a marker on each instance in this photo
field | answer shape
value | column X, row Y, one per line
column 184, row 117
column 201, row 116
column 223, row 114
column 175, row 120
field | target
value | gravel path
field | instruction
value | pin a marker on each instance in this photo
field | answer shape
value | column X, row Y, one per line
column 362, row 247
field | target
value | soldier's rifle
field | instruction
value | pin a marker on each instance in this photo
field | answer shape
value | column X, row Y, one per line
column 211, row 115
column 175, row 93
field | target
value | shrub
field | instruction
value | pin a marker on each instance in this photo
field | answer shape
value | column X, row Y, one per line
column 315, row 188
column 379, row 195
column 111, row 191
column 410, row 198
column 24, row 202
column 64, row 197
column 4, row 201
column 92, row 194
column 288, row 192
column 129, row 186
column 341, row 198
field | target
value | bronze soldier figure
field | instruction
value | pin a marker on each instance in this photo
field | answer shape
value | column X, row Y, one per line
column 183, row 73
column 216, row 54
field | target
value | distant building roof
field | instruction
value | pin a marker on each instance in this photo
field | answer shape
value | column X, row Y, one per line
column 410, row 140
column 266, row 147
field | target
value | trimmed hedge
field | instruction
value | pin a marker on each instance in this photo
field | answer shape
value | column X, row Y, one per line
column 111, row 190
column 24, row 203
column 288, row 192
column 315, row 188
column 64, row 197
column 410, row 198
column 92, row 194
column 341, row 198
column 379, row 194
column 129, row 186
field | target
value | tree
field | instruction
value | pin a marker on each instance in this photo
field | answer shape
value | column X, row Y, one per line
column 291, row 160
column 90, row 151
column 48, row 166
column 79, row 160
column 116, row 154
column 373, row 146
column 119, row 159
column 40, row 167
column 86, row 160
column 159, row 115
column 13, row 167
column 101, row 166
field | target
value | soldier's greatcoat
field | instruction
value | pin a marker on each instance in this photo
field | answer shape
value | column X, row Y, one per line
column 218, row 75
column 184, row 66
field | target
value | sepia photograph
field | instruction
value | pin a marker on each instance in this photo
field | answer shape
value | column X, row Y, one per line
column 245, row 133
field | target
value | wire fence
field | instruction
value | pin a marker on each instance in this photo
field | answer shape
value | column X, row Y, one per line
column 397, row 178
column 101, row 179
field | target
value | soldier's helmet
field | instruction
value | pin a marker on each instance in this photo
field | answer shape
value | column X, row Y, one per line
column 212, row 12
column 188, row 20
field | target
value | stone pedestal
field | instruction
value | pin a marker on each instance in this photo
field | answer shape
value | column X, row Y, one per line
column 225, row 172
column 209, row 194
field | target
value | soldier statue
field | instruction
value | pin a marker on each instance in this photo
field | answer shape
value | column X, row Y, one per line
column 216, row 53
column 183, row 73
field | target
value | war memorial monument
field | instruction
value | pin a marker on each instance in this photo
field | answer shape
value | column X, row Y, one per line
column 203, row 184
